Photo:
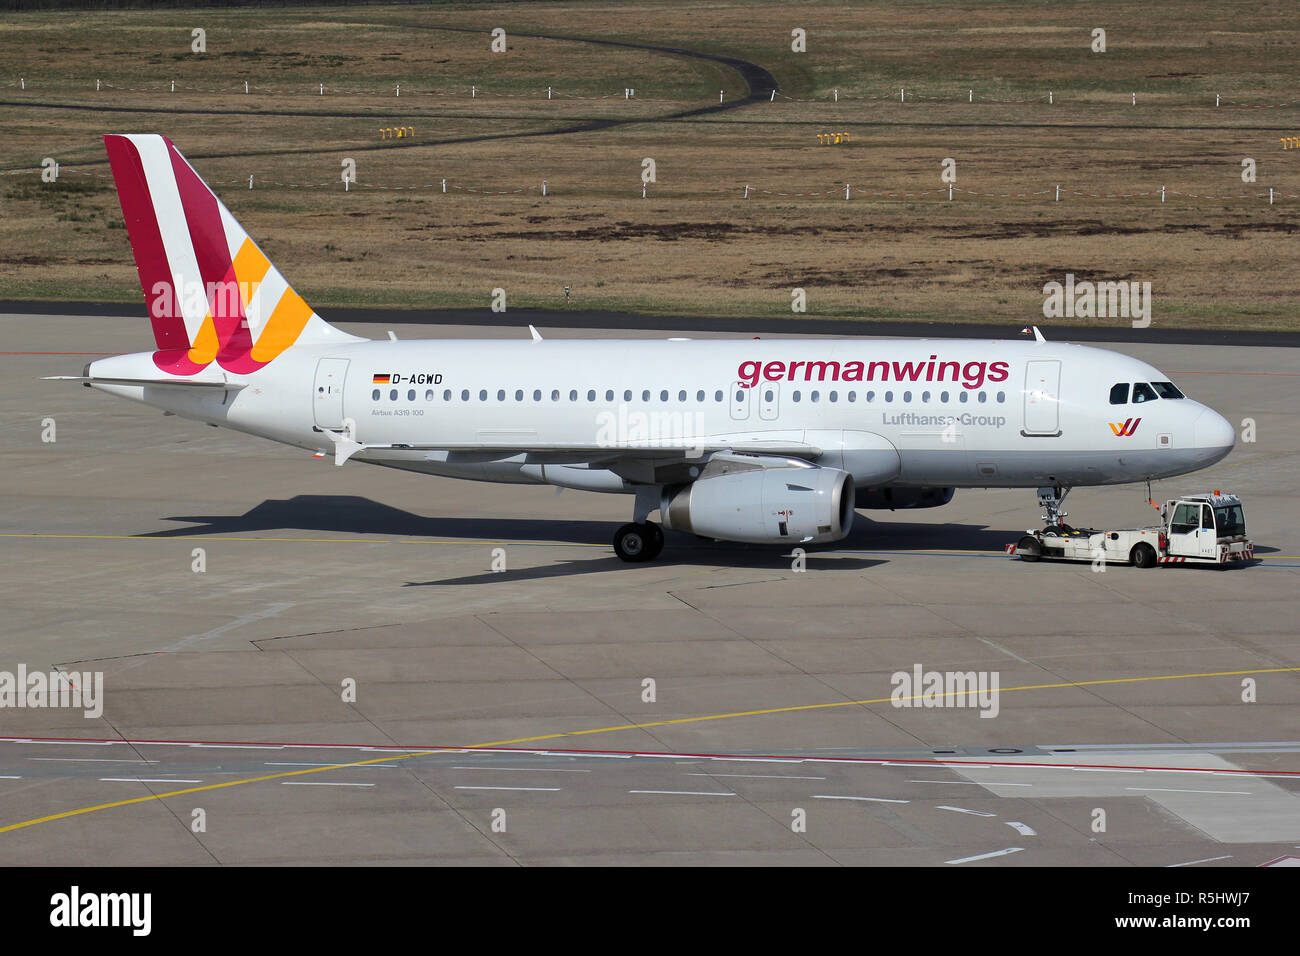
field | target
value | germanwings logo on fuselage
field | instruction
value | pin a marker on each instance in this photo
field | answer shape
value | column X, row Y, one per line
column 971, row 375
column 1126, row 429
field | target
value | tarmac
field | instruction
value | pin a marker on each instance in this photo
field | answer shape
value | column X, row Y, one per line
column 315, row 694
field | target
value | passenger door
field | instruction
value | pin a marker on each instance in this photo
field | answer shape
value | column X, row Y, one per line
column 1042, row 398
column 327, row 392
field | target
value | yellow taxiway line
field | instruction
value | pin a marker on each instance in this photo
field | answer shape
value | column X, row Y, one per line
column 604, row 730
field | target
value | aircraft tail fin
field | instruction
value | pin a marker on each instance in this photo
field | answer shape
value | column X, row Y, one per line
column 212, row 293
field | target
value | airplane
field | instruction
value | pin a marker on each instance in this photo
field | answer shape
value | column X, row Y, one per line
column 775, row 441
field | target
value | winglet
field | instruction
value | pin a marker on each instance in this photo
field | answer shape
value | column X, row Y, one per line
column 537, row 336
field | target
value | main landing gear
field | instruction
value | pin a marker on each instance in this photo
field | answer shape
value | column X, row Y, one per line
column 639, row 542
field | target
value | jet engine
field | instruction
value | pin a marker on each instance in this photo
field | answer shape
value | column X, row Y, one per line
column 797, row 503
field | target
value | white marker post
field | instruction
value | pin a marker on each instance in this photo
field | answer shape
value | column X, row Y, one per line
column 444, row 185
column 900, row 94
column 773, row 99
column 1162, row 193
column 250, row 181
column 846, row 192
column 746, row 190
column 1049, row 97
column 1058, row 192
column 543, row 187
column 245, row 87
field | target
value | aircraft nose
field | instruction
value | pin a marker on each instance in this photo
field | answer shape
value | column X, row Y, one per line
column 1212, row 432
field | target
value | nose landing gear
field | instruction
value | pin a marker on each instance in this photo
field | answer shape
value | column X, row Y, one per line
column 1050, row 498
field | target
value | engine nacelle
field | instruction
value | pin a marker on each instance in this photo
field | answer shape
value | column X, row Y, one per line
column 795, row 505
column 897, row 498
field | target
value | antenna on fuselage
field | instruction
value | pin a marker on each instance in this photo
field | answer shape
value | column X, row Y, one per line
column 1038, row 336
column 537, row 336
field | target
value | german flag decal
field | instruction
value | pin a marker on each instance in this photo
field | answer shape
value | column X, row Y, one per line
column 381, row 380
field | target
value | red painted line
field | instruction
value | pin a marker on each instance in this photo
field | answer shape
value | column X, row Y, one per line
column 918, row 762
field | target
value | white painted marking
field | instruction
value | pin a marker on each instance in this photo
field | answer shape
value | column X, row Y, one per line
column 308, row 783
column 754, row 776
column 1023, row 829
column 527, row 769
column 543, row 789
column 832, row 796
column 978, row 813
column 1208, row 859
column 688, row 793
column 986, row 856
column 1105, row 770
column 1176, row 790
column 146, row 780
column 974, row 783
column 7, row 777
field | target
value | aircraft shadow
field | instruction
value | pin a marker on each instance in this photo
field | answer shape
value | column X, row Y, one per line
column 353, row 514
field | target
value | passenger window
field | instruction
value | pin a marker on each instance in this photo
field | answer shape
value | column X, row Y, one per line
column 795, row 396
column 645, row 395
column 814, row 396
column 482, row 394
column 573, row 394
column 537, row 394
column 591, row 394
column 501, row 394
column 963, row 397
column 375, row 395
column 428, row 395
column 983, row 398
column 834, row 396
column 943, row 397
column 1186, row 519
column 871, row 396
column 717, row 396
column 681, row 396
column 392, row 395
column 555, row 394
column 410, row 394
column 851, row 397
column 925, row 396
column 1142, row 392
column 1002, row 397
column 699, row 396
column 1119, row 393
column 609, row 394
column 889, row 396
column 627, row 395
column 907, row 396
column 663, row 396
column 446, row 395
column 519, row 395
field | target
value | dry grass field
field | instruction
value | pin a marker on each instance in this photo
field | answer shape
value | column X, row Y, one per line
column 1216, row 253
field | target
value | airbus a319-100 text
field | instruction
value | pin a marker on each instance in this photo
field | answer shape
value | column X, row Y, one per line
column 763, row 441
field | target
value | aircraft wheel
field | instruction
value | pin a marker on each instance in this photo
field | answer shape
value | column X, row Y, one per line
column 634, row 543
column 656, row 540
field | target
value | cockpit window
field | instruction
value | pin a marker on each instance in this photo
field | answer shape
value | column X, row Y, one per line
column 1119, row 393
column 1142, row 392
column 1166, row 390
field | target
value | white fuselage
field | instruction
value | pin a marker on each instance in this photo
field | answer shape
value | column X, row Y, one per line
column 959, row 413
